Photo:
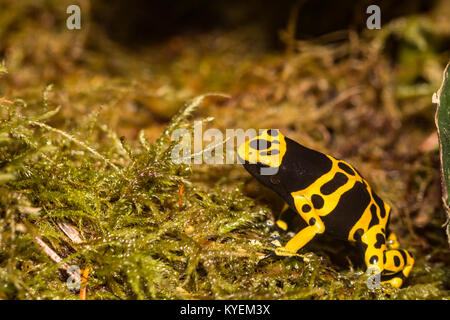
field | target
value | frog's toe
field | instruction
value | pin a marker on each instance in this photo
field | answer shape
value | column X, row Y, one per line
column 268, row 256
column 395, row 280
column 283, row 252
column 278, row 252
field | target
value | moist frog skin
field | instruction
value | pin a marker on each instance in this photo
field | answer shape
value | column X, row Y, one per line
column 331, row 196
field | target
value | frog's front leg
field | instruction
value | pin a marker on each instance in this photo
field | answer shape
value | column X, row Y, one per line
column 315, row 226
column 287, row 220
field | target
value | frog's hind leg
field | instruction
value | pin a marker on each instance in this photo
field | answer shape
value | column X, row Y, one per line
column 392, row 241
column 373, row 246
column 399, row 263
column 393, row 264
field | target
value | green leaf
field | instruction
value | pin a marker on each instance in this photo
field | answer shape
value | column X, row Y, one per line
column 442, row 98
column 48, row 114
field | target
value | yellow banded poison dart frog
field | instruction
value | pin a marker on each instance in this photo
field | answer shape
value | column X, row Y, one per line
column 331, row 197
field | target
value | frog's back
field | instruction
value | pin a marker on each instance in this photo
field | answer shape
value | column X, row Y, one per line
column 345, row 201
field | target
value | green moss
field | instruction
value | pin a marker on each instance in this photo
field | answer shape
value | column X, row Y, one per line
column 139, row 236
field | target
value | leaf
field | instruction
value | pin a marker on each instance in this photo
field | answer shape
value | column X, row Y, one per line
column 48, row 114
column 442, row 98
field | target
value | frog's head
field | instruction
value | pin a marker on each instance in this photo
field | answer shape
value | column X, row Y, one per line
column 265, row 151
column 262, row 156
column 282, row 164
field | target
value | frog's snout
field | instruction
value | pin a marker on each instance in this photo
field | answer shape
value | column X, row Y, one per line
column 242, row 153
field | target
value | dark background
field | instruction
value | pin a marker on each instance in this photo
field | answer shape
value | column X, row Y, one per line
column 141, row 22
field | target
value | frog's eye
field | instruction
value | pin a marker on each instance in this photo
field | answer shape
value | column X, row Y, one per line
column 275, row 180
column 270, row 152
column 260, row 144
